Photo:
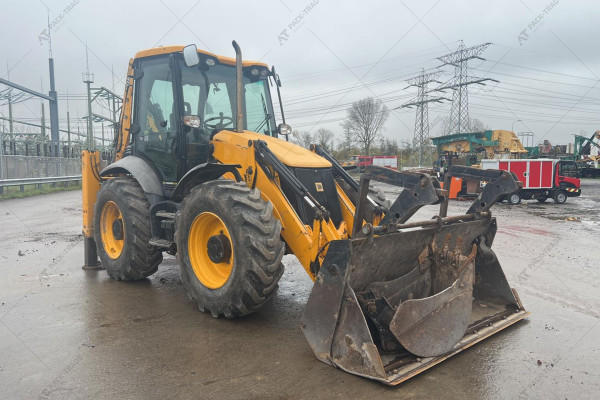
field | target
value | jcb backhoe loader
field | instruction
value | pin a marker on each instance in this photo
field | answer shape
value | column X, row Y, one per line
column 201, row 171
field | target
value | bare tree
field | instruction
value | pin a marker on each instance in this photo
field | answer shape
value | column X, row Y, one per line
column 475, row 125
column 388, row 147
column 302, row 138
column 478, row 125
column 444, row 125
column 295, row 137
column 324, row 138
column 365, row 120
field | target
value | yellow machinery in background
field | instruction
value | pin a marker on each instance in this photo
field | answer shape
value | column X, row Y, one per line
column 486, row 144
column 203, row 171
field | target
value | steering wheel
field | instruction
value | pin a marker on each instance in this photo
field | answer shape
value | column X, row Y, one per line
column 223, row 122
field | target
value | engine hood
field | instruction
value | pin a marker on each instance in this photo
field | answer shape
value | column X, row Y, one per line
column 288, row 153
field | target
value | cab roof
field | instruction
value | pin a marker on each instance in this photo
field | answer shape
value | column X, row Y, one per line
column 178, row 49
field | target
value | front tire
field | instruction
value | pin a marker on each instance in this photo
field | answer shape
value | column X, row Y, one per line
column 514, row 198
column 122, row 231
column 560, row 197
column 229, row 248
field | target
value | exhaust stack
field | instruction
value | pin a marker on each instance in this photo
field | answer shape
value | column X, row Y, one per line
column 239, row 87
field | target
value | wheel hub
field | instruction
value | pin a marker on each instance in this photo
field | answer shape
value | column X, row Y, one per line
column 218, row 248
column 211, row 250
column 117, row 229
column 112, row 229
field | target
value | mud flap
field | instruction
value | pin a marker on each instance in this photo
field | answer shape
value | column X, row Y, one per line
column 388, row 307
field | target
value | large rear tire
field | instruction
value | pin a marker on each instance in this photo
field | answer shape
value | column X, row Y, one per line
column 122, row 231
column 229, row 248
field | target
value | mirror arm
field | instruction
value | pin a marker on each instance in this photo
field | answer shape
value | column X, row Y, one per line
column 278, row 85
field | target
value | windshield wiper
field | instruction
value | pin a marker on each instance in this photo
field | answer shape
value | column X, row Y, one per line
column 267, row 116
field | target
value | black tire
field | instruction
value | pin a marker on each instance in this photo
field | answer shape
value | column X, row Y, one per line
column 255, row 239
column 560, row 197
column 541, row 199
column 514, row 198
column 138, row 259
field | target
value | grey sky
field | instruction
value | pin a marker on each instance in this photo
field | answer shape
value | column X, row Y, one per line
column 337, row 53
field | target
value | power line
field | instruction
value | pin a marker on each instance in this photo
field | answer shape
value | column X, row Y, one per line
column 421, row 146
column 459, row 114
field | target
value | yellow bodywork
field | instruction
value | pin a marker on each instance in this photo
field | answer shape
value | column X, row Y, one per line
column 178, row 49
column 307, row 242
column 439, row 322
column 90, row 185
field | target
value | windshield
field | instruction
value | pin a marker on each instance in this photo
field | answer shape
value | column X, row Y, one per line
column 568, row 169
column 209, row 92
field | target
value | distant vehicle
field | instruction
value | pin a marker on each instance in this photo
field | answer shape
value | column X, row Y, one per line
column 588, row 166
column 380, row 161
column 351, row 162
column 542, row 178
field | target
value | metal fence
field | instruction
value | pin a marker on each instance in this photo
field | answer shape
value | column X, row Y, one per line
column 20, row 167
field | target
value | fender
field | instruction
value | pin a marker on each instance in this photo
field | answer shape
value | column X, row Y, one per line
column 200, row 174
column 142, row 172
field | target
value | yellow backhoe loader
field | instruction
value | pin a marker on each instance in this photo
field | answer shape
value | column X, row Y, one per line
column 203, row 171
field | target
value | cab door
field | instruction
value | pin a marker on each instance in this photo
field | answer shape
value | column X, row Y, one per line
column 155, row 118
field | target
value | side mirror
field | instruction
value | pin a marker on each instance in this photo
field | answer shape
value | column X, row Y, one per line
column 284, row 129
column 190, row 55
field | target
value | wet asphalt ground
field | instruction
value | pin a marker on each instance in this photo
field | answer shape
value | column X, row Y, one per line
column 71, row 334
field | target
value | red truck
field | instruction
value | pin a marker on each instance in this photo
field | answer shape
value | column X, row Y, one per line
column 542, row 178
column 381, row 161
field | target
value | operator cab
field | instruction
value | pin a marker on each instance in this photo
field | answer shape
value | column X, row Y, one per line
column 568, row 169
column 180, row 105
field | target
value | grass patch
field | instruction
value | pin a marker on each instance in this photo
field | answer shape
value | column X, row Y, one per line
column 14, row 192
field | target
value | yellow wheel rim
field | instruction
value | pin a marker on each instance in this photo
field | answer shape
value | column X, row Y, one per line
column 110, row 222
column 210, row 250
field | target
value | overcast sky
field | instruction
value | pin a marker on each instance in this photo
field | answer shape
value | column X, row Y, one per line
column 331, row 53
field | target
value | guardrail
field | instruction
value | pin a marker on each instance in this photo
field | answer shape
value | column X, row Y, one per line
column 18, row 167
column 36, row 181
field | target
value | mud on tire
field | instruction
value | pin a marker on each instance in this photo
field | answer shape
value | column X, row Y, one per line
column 138, row 258
column 255, row 239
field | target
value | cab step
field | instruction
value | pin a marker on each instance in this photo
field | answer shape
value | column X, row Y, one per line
column 161, row 243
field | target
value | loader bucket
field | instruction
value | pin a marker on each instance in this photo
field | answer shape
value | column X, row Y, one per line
column 389, row 306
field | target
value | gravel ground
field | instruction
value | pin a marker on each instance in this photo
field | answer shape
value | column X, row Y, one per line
column 66, row 333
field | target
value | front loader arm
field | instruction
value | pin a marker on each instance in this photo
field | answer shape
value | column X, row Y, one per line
column 261, row 169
